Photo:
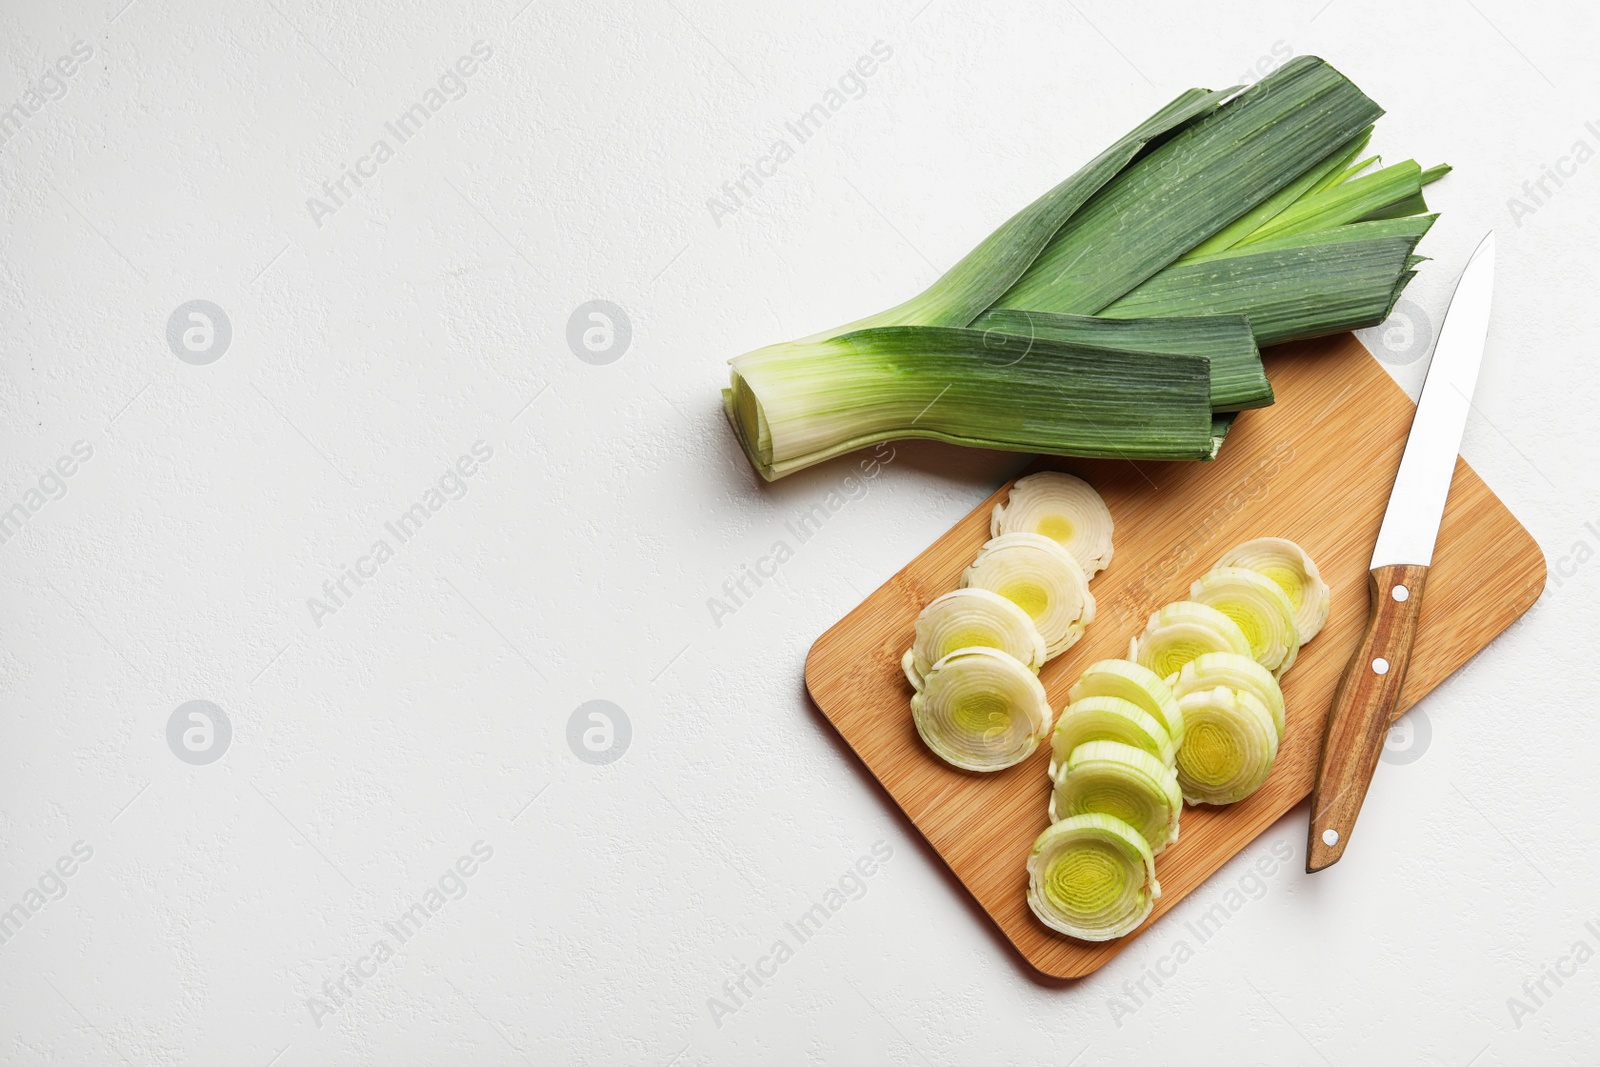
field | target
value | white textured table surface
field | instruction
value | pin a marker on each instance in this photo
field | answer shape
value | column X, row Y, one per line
column 408, row 851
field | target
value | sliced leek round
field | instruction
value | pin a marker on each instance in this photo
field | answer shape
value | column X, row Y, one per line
column 1260, row 607
column 1182, row 632
column 1108, row 719
column 1092, row 877
column 1063, row 508
column 1111, row 778
column 1042, row 579
column 1235, row 672
column 1229, row 749
column 980, row 709
column 1287, row 564
column 968, row 618
column 1138, row 685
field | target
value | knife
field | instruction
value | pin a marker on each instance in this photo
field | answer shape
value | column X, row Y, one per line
column 1365, row 701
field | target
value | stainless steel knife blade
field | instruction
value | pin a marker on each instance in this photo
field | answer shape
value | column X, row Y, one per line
column 1416, row 504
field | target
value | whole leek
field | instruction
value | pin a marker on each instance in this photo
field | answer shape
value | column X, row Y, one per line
column 1244, row 206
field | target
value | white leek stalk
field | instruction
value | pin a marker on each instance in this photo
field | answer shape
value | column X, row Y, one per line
column 1110, row 778
column 968, row 618
column 1235, row 672
column 981, row 710
column 1230, row 746
column 1063, row 508
column 1092, row 877
column 1296, row 574
column 1042, row 579
column 1108, row 719
column 1138, row 685
column 1182, row 632
column 1260, row 607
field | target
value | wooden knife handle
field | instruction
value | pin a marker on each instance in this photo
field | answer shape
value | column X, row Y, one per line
column 1362, row 709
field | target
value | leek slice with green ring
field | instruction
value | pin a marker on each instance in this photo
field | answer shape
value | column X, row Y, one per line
column 1235, row 672
column 1114, row 779
column 1230, row 748
column 1108, row 719
column 965, row 618
column 1065, row 509
column 1042, row 579
column 1260, row 607
column 1138, row 685
column 1092, row 877
column 1182, row 632
column 1295, row 572
column 981, row 710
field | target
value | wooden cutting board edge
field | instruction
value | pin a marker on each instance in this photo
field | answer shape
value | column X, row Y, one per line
column 1252, row 821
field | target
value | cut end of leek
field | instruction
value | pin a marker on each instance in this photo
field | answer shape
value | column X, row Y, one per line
column 1287, row 564
column 1230, row 747
column 1235, row 672
column 1182, row 632
column 1260, row 607
column 1092, row 877
column 981, row 710
column 971, row 618
column 1042, row 579
column 1108, row 719
column 1111, row 778
column 1140, row 686
column 1063, row 508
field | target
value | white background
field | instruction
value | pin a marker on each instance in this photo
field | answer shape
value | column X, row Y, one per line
column 430, row 711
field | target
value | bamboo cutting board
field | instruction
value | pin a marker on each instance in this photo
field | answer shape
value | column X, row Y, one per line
column 1315, row 467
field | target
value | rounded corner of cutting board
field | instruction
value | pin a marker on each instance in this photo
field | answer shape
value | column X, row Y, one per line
column 1076, row 969
column 816, row 660
column 1539, row 578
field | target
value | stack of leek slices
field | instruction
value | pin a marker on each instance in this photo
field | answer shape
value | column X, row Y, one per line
column 975, row 659
column 1195, row 713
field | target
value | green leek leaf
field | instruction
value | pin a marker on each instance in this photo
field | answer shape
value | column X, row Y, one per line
column 1303, row 285
column 1192, row 186
column 1326, row 172
column 1238, row 380
column 1343, row 203
column 988, row 270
